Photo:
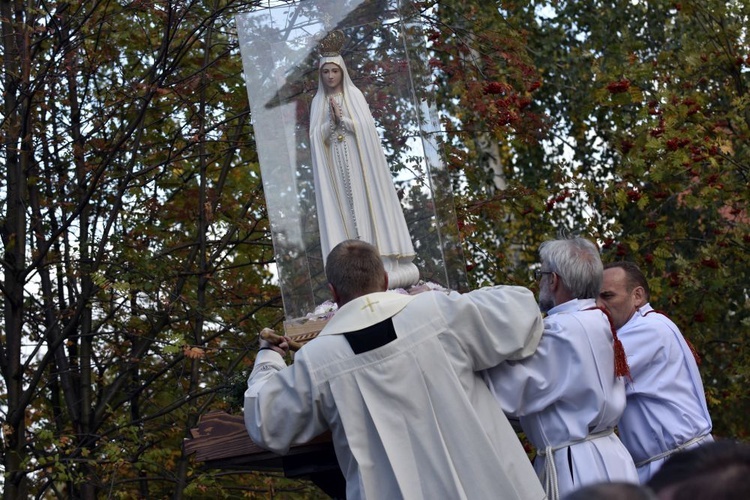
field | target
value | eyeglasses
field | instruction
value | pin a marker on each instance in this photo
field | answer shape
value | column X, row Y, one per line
column 538, row 273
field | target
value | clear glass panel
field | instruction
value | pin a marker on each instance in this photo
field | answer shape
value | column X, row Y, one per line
column 386, row 57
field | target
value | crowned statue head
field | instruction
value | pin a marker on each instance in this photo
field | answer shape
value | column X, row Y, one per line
column 332, row 43
column 333, row 76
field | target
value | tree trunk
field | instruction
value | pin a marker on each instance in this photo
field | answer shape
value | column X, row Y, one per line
column 16, row 145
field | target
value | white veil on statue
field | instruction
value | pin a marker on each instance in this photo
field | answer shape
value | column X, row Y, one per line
column 354, row 190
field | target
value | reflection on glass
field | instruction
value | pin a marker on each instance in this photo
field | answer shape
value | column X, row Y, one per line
column 386, row 56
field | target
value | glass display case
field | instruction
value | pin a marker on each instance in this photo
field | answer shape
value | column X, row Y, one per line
column 386, row 56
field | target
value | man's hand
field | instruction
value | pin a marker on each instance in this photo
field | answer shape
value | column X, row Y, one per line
column 267, row 339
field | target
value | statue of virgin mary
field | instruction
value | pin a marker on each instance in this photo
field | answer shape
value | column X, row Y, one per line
column 354, row 190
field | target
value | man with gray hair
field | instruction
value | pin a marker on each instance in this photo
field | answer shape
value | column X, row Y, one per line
column 570, row 394
column 396, row 380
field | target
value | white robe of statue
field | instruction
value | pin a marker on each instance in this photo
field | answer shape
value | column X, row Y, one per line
column 354, row 191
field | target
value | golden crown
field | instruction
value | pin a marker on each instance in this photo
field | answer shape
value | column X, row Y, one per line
column 332, row 43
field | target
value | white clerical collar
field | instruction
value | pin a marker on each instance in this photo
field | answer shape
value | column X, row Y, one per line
column 572, row 305
column 644, row 309
column 366, row 311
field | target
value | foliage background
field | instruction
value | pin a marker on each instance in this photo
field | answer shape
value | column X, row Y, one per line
column 136, row 245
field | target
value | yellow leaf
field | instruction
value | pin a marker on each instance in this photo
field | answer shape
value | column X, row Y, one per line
column 193, row 352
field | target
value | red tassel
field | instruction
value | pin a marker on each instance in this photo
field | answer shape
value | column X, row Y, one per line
column 622, row 369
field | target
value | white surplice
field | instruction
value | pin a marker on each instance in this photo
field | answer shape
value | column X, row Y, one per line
column 666, row 406
column 412, row 418
column 568, row 399
column 354, row 191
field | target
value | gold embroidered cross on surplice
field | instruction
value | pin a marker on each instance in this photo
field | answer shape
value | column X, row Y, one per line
column 369, row 304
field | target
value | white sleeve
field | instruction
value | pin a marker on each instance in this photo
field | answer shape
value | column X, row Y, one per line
column 494, row 324
column 281, row 406
column 267, row 363
column 533, row 384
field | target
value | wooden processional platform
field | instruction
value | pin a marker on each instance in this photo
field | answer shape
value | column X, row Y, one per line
column 221, row 442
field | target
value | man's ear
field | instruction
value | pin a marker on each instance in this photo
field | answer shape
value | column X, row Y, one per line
column 639, row 296
column 385, row 281
column 554, row 282
column 334, row 293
